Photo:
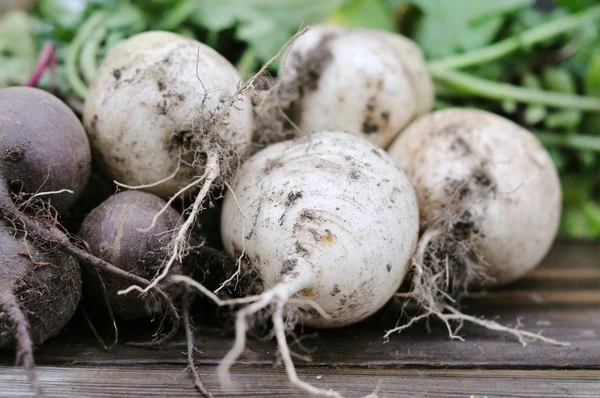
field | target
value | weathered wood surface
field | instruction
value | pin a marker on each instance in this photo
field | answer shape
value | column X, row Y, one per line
column 170, row 381
column 562, row 298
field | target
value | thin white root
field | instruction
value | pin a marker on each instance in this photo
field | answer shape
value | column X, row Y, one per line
column 180, row 240
column 241, row 327
column 400, row 328
column 197, row 285
column 523, row 336
column 375, row 391
column 244, row 300
column 167, row 205
column 310, row 303
column 238, row 272
column 189, row 335
column 287, row 358
column 152, row 184
column 261, row 71
column 424, row 241
column 38, row 194
column 280, row 293
column 50, row 193
column 24, row 343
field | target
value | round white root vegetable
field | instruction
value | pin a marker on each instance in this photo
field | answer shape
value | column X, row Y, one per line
column 365, row 82
column 169, row 113
column 326, row 220
column 489, row 199
column 156, row 111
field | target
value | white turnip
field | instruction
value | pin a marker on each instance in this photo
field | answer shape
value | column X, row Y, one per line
column 326, row 220
column 365, row 82
column 489, row 202
column 158, row 108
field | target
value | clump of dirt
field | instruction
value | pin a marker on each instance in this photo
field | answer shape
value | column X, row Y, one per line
column 13, row 155
column 276, row 101
column 447, row 262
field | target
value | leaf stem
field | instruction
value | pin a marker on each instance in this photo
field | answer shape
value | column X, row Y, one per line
column 523, row 40
column 87, row 61
column 246, row 64
column 77, row 84
column 502, row 91
column 573, row 141
column 178, row 14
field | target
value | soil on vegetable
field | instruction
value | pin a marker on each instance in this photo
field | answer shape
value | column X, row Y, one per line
column 458, row 229
column 46, row 282
column 276, row 102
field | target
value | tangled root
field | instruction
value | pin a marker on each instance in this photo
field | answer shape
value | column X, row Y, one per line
column 275, row 300
column 447, row 263
column 276, row 100
column 203, row 145
column 24, row 343
column 189, row 335
column 272, row 101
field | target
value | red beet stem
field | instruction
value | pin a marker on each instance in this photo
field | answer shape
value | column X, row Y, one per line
column 45, row 58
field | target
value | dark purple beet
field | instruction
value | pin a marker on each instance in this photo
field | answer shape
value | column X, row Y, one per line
column 112, row 231
column 40, row 288
column 48, row 290
column 43, row 146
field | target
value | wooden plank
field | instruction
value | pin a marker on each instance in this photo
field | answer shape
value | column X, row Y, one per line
column 564, row 313
column 573, row 254
column 169, row 381
column 362, row 345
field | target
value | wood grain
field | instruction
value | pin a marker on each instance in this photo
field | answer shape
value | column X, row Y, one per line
column 562, row 298
column 169, row 381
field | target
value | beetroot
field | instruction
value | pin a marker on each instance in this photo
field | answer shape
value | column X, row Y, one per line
column 115, row 233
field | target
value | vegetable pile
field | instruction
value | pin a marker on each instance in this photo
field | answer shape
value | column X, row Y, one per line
column 403, row 149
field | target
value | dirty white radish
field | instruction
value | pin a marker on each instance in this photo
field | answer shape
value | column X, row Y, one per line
column 157, row 110
column 326, row 221
column 362, row 81
column 489, row 199
column 168, row 114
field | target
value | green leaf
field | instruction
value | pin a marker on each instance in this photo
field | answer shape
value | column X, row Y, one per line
column 592, row 75
column 581, row 212
column 264, row 24
column 395, row 4
column 558, row 158
column 588, row 159
column 372, row 14
column 509, row 106
column 126, row 17
column 576, row 5
column 17, row 49
column 449, row 27
column 533, row 113
column 559, row 79
column 576, row 222
column 66, row 13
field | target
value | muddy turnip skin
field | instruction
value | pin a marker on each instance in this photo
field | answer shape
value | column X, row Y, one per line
column 360, row 81
column 112, row 231
column 43, row 146
column 156, row 98
column 495, row 177
column 330, row 215
column 48, row 292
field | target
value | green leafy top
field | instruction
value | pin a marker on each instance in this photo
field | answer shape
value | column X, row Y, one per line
column 539, row 67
